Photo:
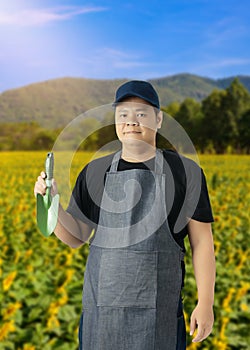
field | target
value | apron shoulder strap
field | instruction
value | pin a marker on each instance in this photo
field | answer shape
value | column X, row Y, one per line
column 115, row 161
column 159, row 158
column 158, row 161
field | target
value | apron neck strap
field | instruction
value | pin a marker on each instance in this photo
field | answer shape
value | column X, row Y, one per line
column 158, row 161
column 115, row 161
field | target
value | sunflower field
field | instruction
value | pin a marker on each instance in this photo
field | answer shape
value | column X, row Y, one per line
column 41, row 278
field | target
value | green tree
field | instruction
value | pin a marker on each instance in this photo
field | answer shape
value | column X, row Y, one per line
column 190, row 117
column 236, row 103
column 42, row 140
column 107, row 134
column 244, row 132
column 215, row 127
column 171, row 109
column 222, row 111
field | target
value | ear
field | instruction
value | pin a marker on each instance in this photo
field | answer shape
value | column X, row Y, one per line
column 159, row 119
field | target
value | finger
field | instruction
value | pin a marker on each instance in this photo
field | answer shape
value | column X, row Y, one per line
column 200, row 334
column 192, row 325
column 40, row 187
column 38, row 190
column 40, row 184
column 41, row 180
column 43, row 175
column 206, row 333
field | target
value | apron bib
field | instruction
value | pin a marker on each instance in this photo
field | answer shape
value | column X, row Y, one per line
column 133, row 276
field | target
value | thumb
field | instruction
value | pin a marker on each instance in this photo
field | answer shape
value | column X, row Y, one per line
column 192, row 324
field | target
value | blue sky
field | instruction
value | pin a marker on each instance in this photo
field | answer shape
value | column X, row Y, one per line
column 47, row 39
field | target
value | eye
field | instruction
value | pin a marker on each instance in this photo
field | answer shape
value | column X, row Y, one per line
column 123, row 115
column 141, row 115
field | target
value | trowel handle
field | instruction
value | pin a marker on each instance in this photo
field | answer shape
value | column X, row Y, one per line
column 49, row 168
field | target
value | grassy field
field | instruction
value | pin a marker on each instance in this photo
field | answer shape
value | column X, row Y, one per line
column 42, row 279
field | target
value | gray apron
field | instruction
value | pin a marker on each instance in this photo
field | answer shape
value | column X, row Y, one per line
column 133, row 276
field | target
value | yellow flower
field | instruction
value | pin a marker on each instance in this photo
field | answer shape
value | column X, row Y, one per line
column 69, row 274
column 244, row 307
column 63, row 300
column 242, row 261
column 193, row 346
column 28, row 253
column 69, row 259
column 228, row 299
column 220, row 344
column 7, row 328
column 5, row 248
column 243, row 290
column 7, row 282
column 17, row 257
column 53, row 322
column 10, row 310
column 29, row 347
column 53, row 308
column 225, row 321
column 30, row 268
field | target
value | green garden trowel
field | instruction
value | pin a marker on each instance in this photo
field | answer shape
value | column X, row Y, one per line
column 47, row 206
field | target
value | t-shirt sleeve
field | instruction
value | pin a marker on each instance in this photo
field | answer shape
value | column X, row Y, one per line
column 202, row 211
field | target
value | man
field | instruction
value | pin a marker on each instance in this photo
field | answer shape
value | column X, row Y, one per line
column 133, row 201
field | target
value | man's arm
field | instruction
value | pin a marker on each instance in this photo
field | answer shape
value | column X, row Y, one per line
column 69, row 230
column 201, row 242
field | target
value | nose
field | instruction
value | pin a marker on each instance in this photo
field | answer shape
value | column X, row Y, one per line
column 132, row 120
column 132, row 123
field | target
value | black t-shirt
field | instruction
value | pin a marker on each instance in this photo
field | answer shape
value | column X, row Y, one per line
column 186, row 191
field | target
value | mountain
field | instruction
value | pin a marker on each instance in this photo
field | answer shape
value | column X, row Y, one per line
column 54, row 103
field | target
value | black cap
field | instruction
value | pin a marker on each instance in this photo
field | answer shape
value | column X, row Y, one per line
column 138, row 88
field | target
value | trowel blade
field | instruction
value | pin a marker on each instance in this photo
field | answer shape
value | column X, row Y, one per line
column 47, row 213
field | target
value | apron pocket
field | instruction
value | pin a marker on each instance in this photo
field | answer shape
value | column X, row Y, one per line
column 127, row 279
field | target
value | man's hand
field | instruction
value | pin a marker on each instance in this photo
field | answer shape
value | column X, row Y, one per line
column 40, row 185
column 203, row 317
column 201, row 241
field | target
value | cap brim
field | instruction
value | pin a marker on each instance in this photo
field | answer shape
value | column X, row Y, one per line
column 121, row 98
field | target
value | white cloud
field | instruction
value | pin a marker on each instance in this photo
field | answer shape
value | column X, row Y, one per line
column 232, row 62
column 38, row 17
column 114, row 54
column 122, row 59
column 225, row 31
column 131, row 64
column 217, row 67
column 107, row 61
column 227, row 62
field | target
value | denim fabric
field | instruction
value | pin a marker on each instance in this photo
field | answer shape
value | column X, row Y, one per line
column 132, row 286
column 181, row 330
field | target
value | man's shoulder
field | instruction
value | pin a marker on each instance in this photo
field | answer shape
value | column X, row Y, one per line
column 97, row 166
column 183, row 168
column 176, row 159
column 103, row 161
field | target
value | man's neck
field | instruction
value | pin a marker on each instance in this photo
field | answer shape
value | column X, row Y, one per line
column 137, row 154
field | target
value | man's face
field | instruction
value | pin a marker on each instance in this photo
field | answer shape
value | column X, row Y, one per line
column 136, row 120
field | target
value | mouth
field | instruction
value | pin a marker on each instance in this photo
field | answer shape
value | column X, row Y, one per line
column 131, row 132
